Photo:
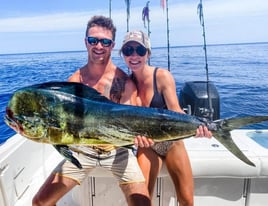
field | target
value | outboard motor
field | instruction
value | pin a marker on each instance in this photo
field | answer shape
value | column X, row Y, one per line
column 194, row 99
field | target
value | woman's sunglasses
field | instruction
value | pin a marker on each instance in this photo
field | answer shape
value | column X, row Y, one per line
column 129, row 50
column 94, row 41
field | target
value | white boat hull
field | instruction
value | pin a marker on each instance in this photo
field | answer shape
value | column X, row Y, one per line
column 220, row 178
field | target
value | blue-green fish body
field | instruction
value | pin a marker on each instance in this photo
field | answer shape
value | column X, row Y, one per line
column 62, row 113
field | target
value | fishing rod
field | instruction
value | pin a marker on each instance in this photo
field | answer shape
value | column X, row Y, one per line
column 128, row 13
column 148, row 20
column 202, row 22
column 168, row 46
column 146, row 17
column 110, row 9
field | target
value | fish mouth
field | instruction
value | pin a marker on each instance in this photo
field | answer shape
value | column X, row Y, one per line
column 23, row 125
column 12, row 122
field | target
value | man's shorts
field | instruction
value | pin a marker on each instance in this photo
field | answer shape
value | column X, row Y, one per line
column 120, row 161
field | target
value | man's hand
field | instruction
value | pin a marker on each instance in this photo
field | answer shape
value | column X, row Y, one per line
column 141, row 141
column 202, row 131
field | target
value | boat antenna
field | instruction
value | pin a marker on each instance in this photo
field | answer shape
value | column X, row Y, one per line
column 202, row 22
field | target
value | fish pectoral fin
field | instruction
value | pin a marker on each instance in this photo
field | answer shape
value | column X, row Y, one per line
column 67, row 154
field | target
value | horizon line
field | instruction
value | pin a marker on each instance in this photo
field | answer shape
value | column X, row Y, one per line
column 159, row 47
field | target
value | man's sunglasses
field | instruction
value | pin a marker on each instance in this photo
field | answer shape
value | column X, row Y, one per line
column 94, row 41
column 129, row 50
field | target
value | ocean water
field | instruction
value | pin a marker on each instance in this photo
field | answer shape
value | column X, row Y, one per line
column 239, row 72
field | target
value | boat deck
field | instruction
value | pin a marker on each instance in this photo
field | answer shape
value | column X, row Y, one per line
column 220, row 178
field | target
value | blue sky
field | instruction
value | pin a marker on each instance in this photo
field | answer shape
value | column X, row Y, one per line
column 59, row 25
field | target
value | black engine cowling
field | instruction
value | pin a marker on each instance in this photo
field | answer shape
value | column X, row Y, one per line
column 194, row 99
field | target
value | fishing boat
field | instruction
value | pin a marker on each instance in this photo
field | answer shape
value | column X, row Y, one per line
column 220, row 178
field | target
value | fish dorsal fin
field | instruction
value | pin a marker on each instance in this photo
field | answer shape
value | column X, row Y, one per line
column 74, row 88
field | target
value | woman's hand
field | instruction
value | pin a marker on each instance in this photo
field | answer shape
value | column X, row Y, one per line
column 202, row 131
column 141, row 141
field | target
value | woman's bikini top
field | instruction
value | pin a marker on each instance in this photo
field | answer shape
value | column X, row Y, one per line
column 158, row 100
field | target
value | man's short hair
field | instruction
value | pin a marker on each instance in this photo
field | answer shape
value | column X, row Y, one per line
column 102, row 21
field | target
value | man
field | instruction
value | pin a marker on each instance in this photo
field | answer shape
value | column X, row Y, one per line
column 101, row 74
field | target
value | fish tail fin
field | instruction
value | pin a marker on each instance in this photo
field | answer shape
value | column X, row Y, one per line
column 225, row 138
column 235, row 123
column 223, row 134
column 67, row 154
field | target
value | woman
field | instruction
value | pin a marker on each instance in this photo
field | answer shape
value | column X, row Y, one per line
column 156, row 88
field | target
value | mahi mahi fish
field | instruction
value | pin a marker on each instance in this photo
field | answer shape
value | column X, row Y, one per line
column 65, row 113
